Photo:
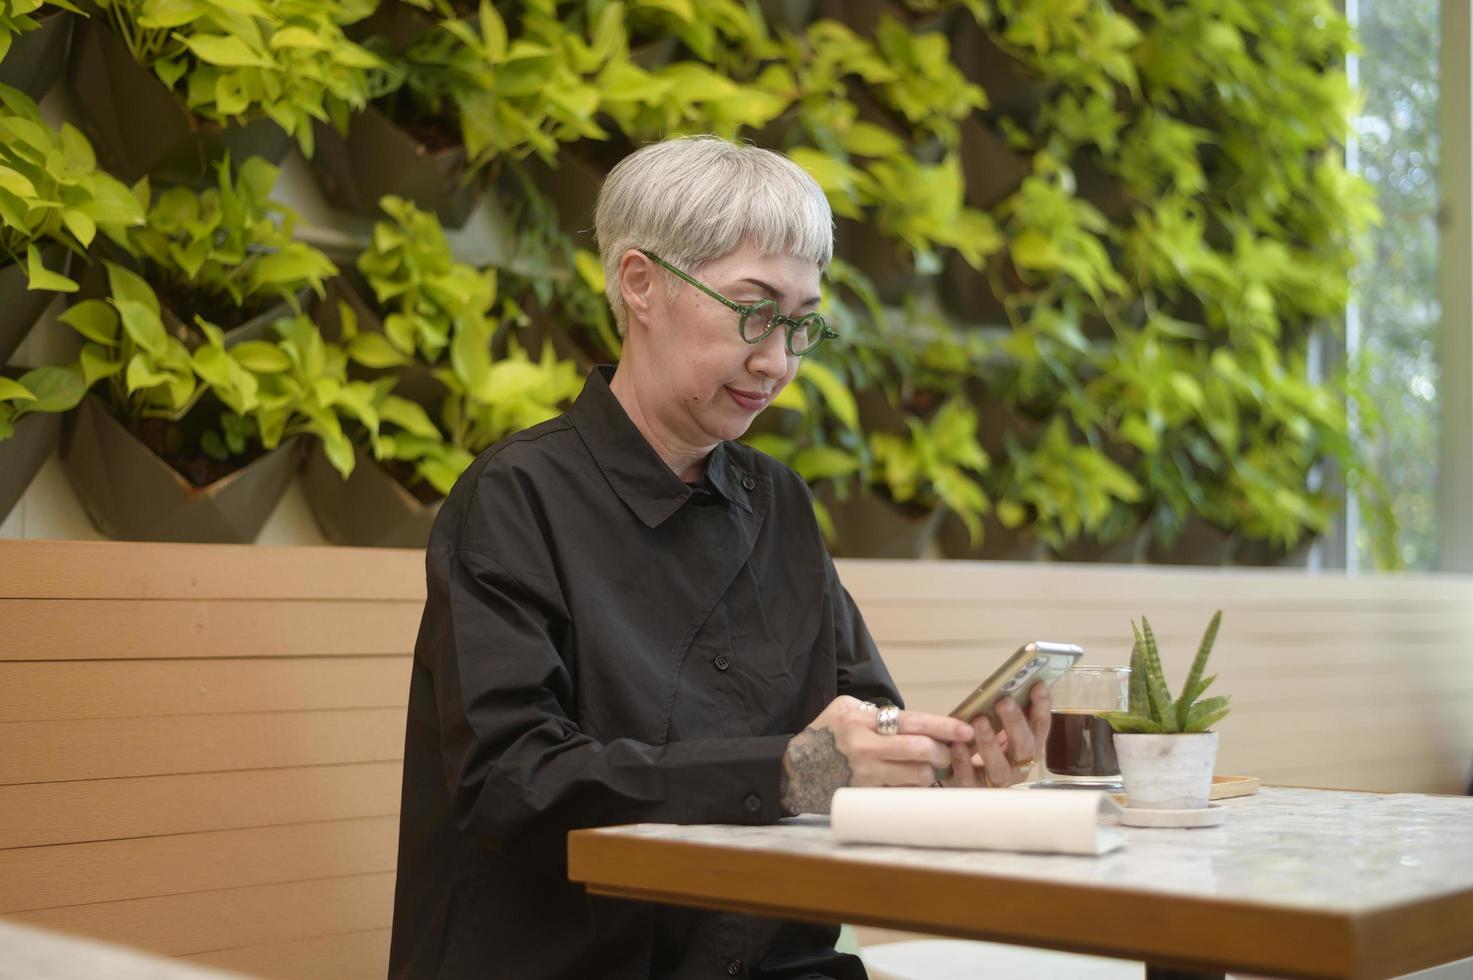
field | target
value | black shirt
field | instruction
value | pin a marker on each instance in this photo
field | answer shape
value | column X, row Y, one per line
column 604, row 644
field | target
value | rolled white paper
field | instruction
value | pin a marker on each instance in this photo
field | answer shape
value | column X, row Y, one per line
column 1042, row 821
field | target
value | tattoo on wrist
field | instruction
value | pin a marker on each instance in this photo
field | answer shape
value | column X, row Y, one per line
column 813, row 768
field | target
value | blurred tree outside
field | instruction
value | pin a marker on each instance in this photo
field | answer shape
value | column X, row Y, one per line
column 1395, row 285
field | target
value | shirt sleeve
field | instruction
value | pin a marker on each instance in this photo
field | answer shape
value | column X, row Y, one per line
column 520, row 771
column 862, row 673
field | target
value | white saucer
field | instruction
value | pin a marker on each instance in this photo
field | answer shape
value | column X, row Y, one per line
column 1210, row 816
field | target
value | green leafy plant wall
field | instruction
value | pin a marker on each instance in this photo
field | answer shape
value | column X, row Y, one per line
column 1085, row 249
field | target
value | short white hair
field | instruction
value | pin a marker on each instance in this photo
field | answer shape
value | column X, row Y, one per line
column 694, row 199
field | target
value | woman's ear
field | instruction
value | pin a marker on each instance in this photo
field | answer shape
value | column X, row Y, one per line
column 637, row 283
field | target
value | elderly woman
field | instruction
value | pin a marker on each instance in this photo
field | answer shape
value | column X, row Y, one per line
column 631, row 617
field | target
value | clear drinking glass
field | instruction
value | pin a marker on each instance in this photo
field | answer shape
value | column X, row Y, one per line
column 1080, row 752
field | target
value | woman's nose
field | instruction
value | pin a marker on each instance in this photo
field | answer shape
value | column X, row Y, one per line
column 770, row 357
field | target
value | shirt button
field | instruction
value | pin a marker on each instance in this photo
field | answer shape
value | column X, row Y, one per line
column 748, row 484
column 722, row 662
column 753, row 803
column 733, row 968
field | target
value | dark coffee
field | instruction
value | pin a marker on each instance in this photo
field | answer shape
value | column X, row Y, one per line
column 1080, row 743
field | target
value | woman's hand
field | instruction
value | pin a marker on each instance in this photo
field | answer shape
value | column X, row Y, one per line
column 841, row 748
column 1002, row 758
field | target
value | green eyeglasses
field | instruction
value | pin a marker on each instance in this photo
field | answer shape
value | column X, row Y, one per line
column 759, row 319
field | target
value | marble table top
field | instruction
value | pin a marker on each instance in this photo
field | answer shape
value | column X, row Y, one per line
column 1297, row 848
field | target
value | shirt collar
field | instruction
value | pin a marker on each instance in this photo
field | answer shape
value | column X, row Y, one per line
column 635, row 471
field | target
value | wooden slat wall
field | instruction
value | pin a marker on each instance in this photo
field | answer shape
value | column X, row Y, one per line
column 200, row 748
column 199, row 744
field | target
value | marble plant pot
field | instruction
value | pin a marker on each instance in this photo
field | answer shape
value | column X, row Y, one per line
column 1167, row 772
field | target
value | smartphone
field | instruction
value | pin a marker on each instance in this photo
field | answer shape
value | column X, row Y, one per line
column 1034, row 662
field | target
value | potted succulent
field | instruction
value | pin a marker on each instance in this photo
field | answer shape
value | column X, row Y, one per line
column 1167, row 748
column 31, row 403
column 34, row 38
column 172, row 447
column 53, row 201
column 226, row 255
column 167, row 89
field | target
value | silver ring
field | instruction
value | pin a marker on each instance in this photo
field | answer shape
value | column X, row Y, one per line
column 887, row 720
column 868, row 706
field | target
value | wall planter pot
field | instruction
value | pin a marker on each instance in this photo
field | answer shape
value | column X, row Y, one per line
column 1011, row 86
column 549, row 328
column 1256, row 553
column 1167, row 772
column 139, row 126
column 417, row 381
column 794, row 15
column 20, row 307
column 863, row 16
column 572, row 186
column 1127, row 550
column 370, row 509
column 1199, row 543
column 132, row 494
column 867, row 525
column 999, row 543
column 886, row 264
column 22, row 455
column 993, row 169
column 966, row 293
column 397, row 22
column 379, row 157
column 257, row 327
column 35, row 59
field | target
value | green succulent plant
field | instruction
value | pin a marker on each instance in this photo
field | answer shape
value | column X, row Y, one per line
column 1152, row 709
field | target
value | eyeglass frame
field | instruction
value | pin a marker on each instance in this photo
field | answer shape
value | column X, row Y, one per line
column 745, row 310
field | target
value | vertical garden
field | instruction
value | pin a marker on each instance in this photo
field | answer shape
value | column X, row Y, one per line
column 1088, row 257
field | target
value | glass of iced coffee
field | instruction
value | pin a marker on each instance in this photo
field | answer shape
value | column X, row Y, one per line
column 1080, row 753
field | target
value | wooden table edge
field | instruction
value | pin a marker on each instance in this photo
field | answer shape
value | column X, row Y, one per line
column 1181, row 931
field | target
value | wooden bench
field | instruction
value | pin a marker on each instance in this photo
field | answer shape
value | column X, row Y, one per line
column 200, row 744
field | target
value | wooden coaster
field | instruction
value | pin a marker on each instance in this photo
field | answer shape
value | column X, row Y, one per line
column 1212, row 815
column 1227, row 787
column 1223, row 788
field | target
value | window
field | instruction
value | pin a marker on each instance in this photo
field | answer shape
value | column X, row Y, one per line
column 1395, row 317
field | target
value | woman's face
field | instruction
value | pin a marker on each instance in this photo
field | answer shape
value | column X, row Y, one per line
column 715, row 383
